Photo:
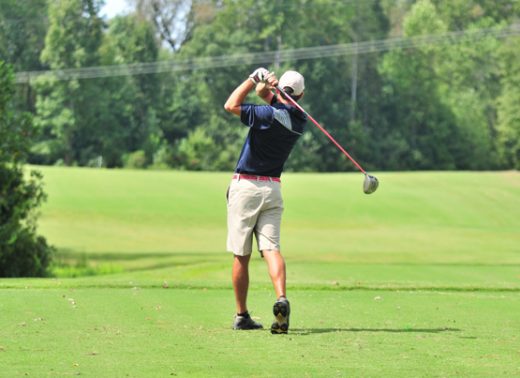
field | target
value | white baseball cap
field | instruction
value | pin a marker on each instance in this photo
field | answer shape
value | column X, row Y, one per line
column 294, row 80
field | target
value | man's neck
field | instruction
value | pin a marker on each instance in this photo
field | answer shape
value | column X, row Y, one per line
column 282, row 99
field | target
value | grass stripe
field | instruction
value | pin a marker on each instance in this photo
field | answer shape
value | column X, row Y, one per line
column 198, row 287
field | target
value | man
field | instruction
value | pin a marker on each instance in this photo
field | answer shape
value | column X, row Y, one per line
column 255, row 202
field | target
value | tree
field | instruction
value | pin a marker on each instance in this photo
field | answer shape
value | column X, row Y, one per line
column 22, row 251
column 423, row 133
column 67, row 110
column 508, row 127
column 172, row 19
column 22, row 33
column 23, row 25
column 471, row 77
column 468, row 82
column 129, row 111
column 441, row 106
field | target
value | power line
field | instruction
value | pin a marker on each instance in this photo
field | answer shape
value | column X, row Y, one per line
column 316, row 52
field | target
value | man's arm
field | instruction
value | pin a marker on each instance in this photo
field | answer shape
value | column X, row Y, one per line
column 237, row 97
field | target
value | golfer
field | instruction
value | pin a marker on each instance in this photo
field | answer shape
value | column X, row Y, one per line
column 255, row 202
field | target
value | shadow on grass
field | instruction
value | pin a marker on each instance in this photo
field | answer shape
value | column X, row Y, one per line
column 311, row 331
column 69, row 263
column 126, row 256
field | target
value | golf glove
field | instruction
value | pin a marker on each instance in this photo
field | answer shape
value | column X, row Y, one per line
column 259, row 75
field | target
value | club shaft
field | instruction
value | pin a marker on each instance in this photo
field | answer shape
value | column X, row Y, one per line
column 293, row 102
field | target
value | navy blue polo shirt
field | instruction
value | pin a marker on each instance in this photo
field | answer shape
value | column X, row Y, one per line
column 274, row 130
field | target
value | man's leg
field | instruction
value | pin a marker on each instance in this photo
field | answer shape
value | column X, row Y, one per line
column 276, row 267
column 281, row 308
column 240, row 277
column 241, row 283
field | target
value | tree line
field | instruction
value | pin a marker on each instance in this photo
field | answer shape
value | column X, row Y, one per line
column 450, row 105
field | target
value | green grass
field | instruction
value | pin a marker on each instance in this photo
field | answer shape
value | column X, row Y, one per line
column 162, row 332
column 421, row 278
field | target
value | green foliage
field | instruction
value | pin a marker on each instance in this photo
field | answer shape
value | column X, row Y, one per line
column 28, row 255
column 67, row 111
column 22, row 252
column 85, row 121
column 73, row 35
column 197, row 151
column 136, row 159
column 438, row 106
column 23, row 25
column 508, row 127
column 421, row 120
column 128, row 120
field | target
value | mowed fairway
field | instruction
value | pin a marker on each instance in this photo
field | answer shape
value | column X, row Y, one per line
column 420, row 279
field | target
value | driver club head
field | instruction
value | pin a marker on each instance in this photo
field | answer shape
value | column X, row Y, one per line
column 370, row 184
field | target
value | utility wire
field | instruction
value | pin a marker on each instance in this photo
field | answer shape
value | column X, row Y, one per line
column 316, row 52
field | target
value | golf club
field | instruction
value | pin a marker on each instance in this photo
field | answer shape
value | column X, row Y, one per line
column 370, row 183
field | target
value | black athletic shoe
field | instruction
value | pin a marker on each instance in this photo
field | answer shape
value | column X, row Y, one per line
column 245, row 322
column 281, row 311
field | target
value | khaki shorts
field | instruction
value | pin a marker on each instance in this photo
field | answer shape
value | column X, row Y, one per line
column 253, row 207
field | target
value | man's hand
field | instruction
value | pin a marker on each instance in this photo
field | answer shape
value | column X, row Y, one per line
column 271, row 80
column 264, row 90
column 259, row 75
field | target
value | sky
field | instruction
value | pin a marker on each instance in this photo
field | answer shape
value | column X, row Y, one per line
column 114, row 7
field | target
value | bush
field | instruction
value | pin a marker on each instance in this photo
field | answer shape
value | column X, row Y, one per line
column 197, row 152
column 28, row 256
column 22, row 251
column 135, row 160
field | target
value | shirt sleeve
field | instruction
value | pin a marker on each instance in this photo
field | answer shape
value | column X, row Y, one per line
column 257, row 116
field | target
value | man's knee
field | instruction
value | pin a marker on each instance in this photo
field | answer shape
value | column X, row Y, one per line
column 242, row 260
column 272, row 255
